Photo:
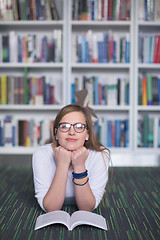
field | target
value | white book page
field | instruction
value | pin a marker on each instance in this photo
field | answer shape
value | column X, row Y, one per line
column 53, row 217
column 89, row 218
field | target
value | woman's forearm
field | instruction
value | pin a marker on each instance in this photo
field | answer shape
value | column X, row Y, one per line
column 83, row 194
column 55, row 196
column 84, row 197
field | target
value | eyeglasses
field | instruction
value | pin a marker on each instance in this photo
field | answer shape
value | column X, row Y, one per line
column 78, row 127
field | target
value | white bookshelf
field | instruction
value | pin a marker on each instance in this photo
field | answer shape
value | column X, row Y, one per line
column 55, row 69
column 104, row 69
column 68, row 70
column 145, row 27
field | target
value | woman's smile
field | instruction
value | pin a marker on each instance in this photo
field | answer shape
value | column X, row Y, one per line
column 71, row 139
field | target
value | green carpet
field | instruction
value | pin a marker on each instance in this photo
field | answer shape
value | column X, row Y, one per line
column 131, row 207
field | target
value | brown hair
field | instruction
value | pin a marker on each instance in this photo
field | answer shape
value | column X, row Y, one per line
column 92, row 142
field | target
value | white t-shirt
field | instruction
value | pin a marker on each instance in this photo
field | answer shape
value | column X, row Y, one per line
column 44, row 167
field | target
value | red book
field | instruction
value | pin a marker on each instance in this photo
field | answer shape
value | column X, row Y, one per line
column 111, row 48
column 158, row 51
column 100, row 93
column 156, row 47
column 51, row 94
column 110, row 9
column 113, row 134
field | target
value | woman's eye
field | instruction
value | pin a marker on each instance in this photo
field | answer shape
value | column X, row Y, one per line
column 64, row 126
column 79, row 126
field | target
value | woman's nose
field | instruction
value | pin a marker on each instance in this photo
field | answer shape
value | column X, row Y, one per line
column 71, row 130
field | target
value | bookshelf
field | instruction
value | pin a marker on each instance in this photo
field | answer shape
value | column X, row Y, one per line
column 147, row 113
column 106, row 71
column 52, row 70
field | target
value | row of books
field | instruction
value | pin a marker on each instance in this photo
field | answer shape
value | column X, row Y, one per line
column 28, row 10
column 101, row 47
column 31, row 133
column 149, row 48
column 149, row 131
column 28, row 133
column 30, row 90
column 105, row 91
column 101, row 10
column 149, row 90
column 112, row 133
column 16, row 47
column 148, row 10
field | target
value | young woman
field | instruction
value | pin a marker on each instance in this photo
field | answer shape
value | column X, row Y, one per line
column 74, row 168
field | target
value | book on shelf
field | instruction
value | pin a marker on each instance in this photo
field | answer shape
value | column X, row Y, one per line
column 32, row 90
column 31, row 47
column 111, row 92
column 148, row 90
column 76, row 219
column 32, row 132
column 149, row 48
column 21, row 132
column 148, row 131
column 112, row 133
column 29, row 10
column 149, row 10
column 98, row 10
column 101, row 47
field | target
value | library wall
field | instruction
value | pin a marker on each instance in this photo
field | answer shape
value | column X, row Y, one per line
column 111, row 48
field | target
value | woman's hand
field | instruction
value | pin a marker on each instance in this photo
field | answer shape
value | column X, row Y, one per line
column 78, row 158
column 62, row 156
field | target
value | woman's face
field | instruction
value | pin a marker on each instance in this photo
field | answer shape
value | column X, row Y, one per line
column 72, row 140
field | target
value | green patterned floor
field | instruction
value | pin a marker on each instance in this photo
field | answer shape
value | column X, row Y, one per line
column 131, row 207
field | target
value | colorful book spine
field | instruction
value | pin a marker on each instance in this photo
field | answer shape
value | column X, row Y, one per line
column 3, row 89
column 144, row 91
column 149, row 90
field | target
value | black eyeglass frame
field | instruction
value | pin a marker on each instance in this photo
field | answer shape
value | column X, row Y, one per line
column 83, row 124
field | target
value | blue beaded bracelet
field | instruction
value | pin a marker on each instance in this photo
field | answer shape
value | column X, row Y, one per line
column 80, row 184
column 80, row 175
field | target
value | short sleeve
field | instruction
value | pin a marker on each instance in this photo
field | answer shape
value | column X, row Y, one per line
column 98, row 175
column 43, row 173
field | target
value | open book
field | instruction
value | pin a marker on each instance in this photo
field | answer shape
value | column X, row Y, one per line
column 77, row 218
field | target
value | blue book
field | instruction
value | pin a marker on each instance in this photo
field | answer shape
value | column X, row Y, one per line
column 126, row 132
column 96, row 92
column 1, row 133
column 96, row 128
column 159, row 134
column 114, row 51
column 127, row 51
column 72, row 93
column 47, row 94
column 19, row 49
column 159, row 90
column 146, row 10
column 117, row 133
column 13, row 136
column 127, row 93
column 105, row 44
column 100, row 50
column 86, row 52
column 109, row 133
column 44, row 49
column 83, row 48
column 152, row 42
column 92, row 10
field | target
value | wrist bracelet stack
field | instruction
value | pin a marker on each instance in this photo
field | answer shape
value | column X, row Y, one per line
column 80, row 179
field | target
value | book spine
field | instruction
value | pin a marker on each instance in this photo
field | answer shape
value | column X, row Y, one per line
column 144, row 91
column 149, row 90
